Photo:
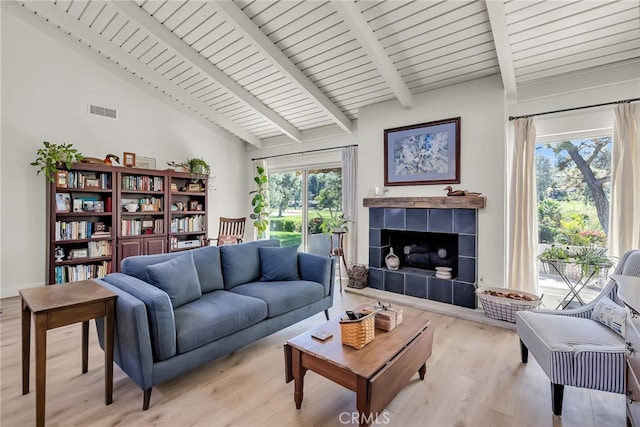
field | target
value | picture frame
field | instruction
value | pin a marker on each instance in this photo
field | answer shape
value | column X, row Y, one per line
column 98, row 206
column 145, row 162
column 193, row 205
column 77, row 205
column 148, row 207
column 129, row 159
column 79, row 253
column 63, row 202
column 87, row 205
column 423, row 154
column 194, row 187
column 92, row 183
column 174, row 187
column 62, row 179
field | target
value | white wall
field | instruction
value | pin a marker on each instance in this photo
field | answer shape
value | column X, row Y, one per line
column 47, row 82
column 480, row 104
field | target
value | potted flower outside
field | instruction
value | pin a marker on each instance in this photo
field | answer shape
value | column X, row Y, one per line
column 55, row 156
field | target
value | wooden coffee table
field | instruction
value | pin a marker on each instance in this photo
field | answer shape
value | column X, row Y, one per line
column 376, row 372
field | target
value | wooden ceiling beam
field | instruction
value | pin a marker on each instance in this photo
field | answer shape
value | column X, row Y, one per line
column 360, row 28
column 274, row 55
column 498, row 21
column 68, row 23
column 142, row 18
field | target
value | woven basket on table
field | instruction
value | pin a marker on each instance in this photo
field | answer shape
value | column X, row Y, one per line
column 358, row 275
column 504, row 308
column 358, row 333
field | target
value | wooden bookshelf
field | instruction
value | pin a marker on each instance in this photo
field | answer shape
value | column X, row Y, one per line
column 188, row 211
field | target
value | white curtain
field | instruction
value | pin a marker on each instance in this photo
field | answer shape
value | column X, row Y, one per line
column 624, row 220
column 262, row 163
column 349, row 206
column 522, row 212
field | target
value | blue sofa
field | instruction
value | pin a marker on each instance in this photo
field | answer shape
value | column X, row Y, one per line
column 178, row 311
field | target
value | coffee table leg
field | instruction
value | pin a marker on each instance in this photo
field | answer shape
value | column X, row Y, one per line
column 85, row 346
column 422, row 371
column 298, row 376
column 41, row 367
column 363, row 401
column 26, row 346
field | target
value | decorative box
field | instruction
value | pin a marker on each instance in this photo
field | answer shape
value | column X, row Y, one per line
column 387, row 316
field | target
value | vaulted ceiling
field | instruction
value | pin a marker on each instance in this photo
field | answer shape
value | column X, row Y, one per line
column 260, row 69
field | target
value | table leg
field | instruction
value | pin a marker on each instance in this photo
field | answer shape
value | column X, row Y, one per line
column 26, row 346
column 41, row 367
column 363, row 401
column 298, row 376
column 85, row 346
column 422, row 371
column 108, row 351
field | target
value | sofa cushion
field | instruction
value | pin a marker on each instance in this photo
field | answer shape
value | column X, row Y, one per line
column 207, row 260
column 215, row 315
column 611, row 315
column 178, row 278
column 283, row 296
column 241, row 262
column 279, row 263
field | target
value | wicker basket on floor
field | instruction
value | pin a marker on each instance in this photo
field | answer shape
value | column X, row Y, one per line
column 358, row 276
column 504, row 308
column 360, row 332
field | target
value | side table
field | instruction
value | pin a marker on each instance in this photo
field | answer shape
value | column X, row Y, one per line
column 338, row 251
column 60, row 305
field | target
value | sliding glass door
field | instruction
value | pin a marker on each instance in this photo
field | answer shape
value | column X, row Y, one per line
column 303, row 217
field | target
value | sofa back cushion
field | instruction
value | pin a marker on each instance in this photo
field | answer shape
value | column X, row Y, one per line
column 206, row 259
column 177, row 277
column 241, row 262
column 279, row 263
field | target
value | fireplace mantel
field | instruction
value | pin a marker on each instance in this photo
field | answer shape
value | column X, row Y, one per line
column 446, row 202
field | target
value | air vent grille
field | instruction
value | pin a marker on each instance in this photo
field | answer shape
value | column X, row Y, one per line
column 103, row 111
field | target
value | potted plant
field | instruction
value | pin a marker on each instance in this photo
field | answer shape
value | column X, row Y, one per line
column 554, row 259
column 336, row 223
column 260, row 202
column 198, row 166
column 55, row 156
column 592, row 259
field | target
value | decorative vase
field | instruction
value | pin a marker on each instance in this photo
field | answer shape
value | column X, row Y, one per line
column 392, row 261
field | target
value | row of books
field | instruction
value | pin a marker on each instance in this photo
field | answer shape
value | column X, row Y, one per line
column 136, row 227
column 74, row 273
column 99, row 248
column 193, row 223
column 88, row 180
column 74, row 230
column 142, row 183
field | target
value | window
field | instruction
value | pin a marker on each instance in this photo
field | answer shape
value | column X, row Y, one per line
column 294, row 210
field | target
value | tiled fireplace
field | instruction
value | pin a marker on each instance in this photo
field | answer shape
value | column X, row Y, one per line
column 425, row 232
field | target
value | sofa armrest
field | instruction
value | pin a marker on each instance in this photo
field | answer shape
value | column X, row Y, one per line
column 132, row 340
column 162, row 324
column 317, row 268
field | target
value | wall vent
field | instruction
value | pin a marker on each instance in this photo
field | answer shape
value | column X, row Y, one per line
column 103, row 111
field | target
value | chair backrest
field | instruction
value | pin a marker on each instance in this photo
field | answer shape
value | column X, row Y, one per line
column 231, row 230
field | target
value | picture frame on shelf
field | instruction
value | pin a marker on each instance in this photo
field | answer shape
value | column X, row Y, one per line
column 87, row 205
column 174, row 187
column 199, row 207
column 79, row 253
column 423, row 154
column 145, row 162
column 77, row 205
column 129, row 159
column 98, row 206
column 193, row 205
column 194, row 187
column 63, row 202
column 62, row 179
column 148, row 207
column 92, row 183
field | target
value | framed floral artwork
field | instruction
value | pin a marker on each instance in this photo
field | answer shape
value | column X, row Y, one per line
column 423, row 154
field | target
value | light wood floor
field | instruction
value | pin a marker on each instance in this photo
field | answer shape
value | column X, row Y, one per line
column 474, row 378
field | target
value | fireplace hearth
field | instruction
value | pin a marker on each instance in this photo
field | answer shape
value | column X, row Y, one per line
column 425, row 238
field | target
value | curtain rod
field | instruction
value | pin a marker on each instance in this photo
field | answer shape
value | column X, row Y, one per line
column 511, row 118
column 303, row 152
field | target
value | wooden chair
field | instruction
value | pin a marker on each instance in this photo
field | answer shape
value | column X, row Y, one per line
column 230, row 231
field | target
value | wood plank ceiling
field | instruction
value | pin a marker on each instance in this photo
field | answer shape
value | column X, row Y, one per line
column 260, row 69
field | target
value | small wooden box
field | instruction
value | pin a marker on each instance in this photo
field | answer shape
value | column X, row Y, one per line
column 388, row 318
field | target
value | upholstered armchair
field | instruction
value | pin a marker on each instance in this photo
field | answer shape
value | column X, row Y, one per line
column 574, row 350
